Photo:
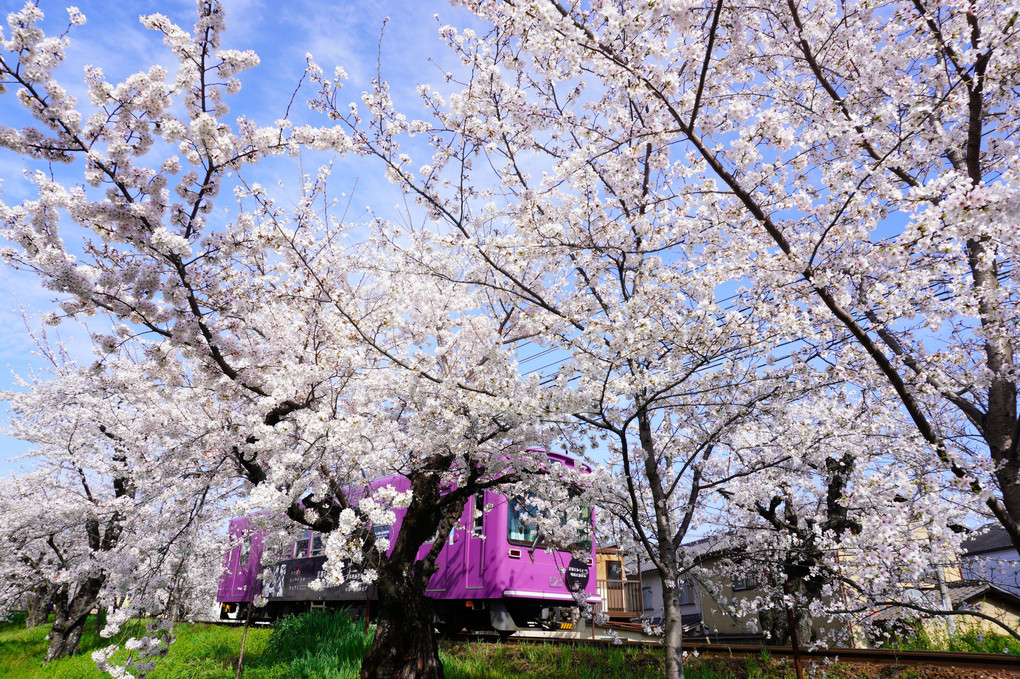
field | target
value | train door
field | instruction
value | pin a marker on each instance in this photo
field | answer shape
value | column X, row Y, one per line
column 474, row 554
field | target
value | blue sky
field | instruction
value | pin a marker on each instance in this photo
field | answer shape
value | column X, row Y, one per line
column 345, row 33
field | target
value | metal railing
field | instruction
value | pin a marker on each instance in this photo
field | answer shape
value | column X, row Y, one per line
column 620, row 596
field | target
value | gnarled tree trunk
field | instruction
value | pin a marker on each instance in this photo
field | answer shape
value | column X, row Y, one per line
column 405, row 646
column 70, row 615
column 40, row 597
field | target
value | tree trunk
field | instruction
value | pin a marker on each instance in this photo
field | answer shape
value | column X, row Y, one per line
column 37, row 602
column 405, row 646
column 70, row 617
column 668, row 540
column 805, row 588
column 64, row 639
column 774, row 623
column 673, row 631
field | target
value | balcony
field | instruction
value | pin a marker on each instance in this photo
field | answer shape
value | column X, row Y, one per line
column 620, row 598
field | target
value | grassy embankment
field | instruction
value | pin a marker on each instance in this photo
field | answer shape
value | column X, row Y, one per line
column 324, row 646
column 318, row 646
column 315, row 646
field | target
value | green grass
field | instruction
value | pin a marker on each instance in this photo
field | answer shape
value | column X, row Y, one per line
column 22, row 651
column 317, row 646
column 547, row 661
column 201, row 651
column 971, row 641
column 321, row 645
column 541, row 661
column 313, row 646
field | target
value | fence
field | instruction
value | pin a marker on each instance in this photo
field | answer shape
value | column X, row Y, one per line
column 620, row 598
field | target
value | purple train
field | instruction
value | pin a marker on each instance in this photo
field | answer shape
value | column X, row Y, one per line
column 494, row 572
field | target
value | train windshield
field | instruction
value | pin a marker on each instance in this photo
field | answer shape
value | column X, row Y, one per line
column 522, row 531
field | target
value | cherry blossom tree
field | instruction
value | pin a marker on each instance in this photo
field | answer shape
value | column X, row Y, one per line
column 277, row 355
column 94, row 519
column 855, row 522
column 686, row 201
column 844, row 171
column 596, row 265
column 859, row 160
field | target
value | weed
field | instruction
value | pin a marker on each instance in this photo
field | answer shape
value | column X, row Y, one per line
column 973, row 641
column 966, row 639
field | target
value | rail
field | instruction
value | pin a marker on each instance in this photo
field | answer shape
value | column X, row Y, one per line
column 871, row 656
column 878, row 656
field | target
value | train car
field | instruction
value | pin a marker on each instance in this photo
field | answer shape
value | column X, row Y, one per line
column 493, row 573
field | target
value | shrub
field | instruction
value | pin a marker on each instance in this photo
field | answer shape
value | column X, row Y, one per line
column 973, row 641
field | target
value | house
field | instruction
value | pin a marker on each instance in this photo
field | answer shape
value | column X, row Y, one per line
column 989, row 599
column 690, row 603
column 619, row 589
column 720, row 597
column 988, row 555
column 633, row 594
column 701, row 591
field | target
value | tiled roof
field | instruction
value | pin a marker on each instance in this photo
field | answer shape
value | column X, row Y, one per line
column 991, row 537
column 963, row 591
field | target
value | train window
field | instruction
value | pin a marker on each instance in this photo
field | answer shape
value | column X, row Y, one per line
column 584, row 534
column 245, row 555
column 301, row 546
column 317, row 548
column 478, row 511
column 518, row 532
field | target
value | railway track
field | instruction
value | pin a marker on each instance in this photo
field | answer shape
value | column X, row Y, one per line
column 632, row 637
column 874, row 656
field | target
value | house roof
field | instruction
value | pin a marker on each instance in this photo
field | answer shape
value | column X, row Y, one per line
column 961, row 593
column 991, row 537
column 701, row 549
column 966, row 591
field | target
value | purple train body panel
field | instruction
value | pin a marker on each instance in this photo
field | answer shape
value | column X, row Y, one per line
column 491, row 574
column 241, row 564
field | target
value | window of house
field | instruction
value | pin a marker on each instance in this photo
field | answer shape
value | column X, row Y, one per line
column 744, row 581
column 687, row 594
column 646, row 597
